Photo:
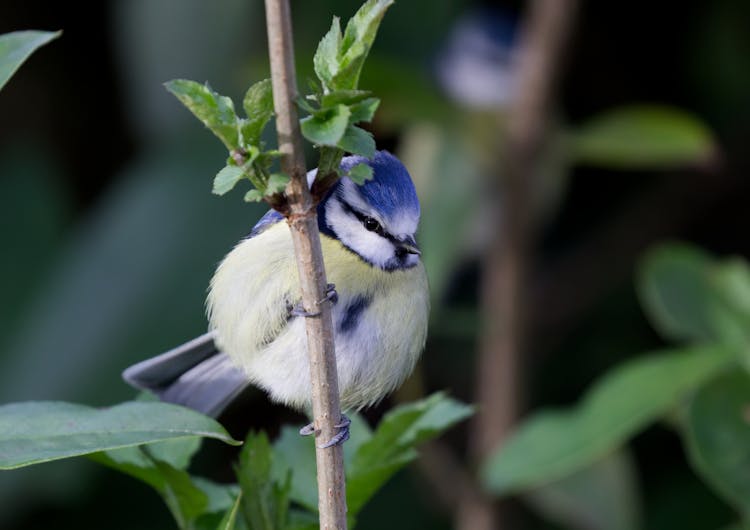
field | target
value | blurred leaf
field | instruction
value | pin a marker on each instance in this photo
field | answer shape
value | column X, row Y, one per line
column 555, row 443
column 276, row 183
column 258, row 104
column 226, row 179
column 602, row 496
column 358, row 142
column 688, row 295
column 717, row 435
column 643, row 137
column 358, row 38
column 360, row 173
column 228, row 522
column 326, row 128
column 392, row 444
column 214, row 110
column 34, row 432
column 17, row 46
column 265, row 500
column 253, row 196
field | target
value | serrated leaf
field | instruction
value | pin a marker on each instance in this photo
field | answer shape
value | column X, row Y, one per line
column 326, row 59
column 357, row 141
column 17, row 46
column 258, row 105
column 364, row 110
column 344, row 97
column 214, row 110
column 326, row 129
column 691, row 296
column 40, row 431
column 226, row 179
column 253, row 196
column 717, row 436
column 643, row 137
column 360, row 173
column 555, row 443
column 392, row 444
column 358, row 37
column 276, row 183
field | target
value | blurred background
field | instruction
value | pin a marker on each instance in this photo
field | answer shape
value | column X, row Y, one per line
column 110, row 233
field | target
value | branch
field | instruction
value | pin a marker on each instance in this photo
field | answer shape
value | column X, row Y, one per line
column 302, row 219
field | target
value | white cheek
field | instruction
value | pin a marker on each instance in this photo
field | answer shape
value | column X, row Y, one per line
column 351, row 233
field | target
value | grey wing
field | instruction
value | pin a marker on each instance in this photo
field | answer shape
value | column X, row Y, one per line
column 196, row 375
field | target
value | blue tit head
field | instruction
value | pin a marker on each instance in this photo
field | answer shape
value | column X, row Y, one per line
column 377, row 220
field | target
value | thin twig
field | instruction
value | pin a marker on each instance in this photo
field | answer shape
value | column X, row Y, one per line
column 506, row 261
column 302, row 219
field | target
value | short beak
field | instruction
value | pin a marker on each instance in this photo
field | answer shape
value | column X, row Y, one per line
column 409, row 244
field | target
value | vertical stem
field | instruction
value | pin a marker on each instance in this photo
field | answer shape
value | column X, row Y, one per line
column 499, row 372
column 302, row 219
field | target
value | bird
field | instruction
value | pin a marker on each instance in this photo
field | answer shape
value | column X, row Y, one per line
column 256, row 333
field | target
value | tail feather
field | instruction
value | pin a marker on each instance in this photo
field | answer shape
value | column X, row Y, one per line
column 196, row 375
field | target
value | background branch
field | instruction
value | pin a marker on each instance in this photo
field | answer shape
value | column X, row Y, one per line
column 303, row 223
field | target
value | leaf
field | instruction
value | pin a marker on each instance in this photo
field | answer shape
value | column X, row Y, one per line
column 360, row 173
column 690, row 296
column 265, row 500
column 643, row 137
column 601, row 496
column 326, row 59
column 344, row 97
column 392, row 444
column 328, row 128
column 364, row 110
column 555, row 443
column 258, row 105
column 34, row 432
column 226, row 179
column 276, row 183
column 230, row 517
column 717, row 436
column 358, row 142
column 17, row 46
column 254, row 196
column 359, row 35
column 214, row 110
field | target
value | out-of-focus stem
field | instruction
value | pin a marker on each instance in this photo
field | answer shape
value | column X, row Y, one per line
column 302, row 219
column 506, row 261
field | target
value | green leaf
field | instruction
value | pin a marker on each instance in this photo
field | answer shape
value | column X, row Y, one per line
column 214, row 110
column 358, row 142
column 254, row 196
column 258, row 104
column 718, row 436
column 327, row 128
column 17, row 46
column 358, row 38
column 690, row 296
column 265, row 500
column 34, row 432
column 602, row 495
column 643, row 137
column 360, row 173
column 344, row 97
column 326, row 59
column 392, row 444
column 556, row 443
column 364, row 110
column 226, row 179
column 276, row 183
column 229, row 520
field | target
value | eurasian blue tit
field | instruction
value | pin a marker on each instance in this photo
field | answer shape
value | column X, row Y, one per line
column 256, row 337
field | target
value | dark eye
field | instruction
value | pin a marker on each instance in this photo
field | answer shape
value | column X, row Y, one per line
column 371, row 224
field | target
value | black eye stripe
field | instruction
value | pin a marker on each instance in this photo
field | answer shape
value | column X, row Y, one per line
column 363, row 218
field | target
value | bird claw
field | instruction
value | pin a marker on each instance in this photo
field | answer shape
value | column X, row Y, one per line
column 331, row 296
column 338, row 439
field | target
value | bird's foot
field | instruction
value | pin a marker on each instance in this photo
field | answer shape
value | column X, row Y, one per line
column 331, row 296
column 338, row 438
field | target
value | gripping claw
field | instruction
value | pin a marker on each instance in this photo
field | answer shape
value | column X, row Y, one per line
column 339, row 438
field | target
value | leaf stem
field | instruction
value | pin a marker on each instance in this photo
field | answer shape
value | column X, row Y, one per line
column 302, row 219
